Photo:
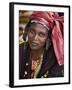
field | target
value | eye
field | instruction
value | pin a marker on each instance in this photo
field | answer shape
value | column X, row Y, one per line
column 31, row 31
column 42, row 35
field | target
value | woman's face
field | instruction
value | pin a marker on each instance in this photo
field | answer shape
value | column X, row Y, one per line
column 37, row 36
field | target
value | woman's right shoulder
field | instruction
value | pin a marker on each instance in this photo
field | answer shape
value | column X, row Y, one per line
column 21, row 48
column 23, row 45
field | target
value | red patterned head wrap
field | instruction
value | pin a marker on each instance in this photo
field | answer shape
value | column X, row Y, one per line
column 55, row 22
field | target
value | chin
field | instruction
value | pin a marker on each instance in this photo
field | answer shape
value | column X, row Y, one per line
column 34, row 48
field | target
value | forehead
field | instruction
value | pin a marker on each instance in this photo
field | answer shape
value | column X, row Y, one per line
column 38, row 27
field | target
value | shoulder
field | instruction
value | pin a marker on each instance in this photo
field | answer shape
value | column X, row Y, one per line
column 50, row 57
column 57, row 71
column 23, row 51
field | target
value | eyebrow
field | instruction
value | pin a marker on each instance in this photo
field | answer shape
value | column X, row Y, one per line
column 40, row 32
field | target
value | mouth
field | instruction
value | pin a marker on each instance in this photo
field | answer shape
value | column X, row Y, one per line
column 34, row 44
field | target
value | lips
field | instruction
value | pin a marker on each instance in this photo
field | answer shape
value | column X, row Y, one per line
column 33, row 43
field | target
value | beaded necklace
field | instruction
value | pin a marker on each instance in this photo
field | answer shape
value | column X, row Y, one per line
column 36, row 65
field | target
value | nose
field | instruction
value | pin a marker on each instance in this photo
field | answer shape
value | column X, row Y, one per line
column 36, row 37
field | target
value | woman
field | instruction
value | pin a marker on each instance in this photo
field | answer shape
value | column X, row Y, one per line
column 42, row 56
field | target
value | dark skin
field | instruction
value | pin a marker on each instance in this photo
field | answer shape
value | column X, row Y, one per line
column 37, row 37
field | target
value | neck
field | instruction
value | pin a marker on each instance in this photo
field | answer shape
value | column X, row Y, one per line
column 36, row 54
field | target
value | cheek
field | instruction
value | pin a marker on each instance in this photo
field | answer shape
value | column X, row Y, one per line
column 30, row 35
column 42, row 41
